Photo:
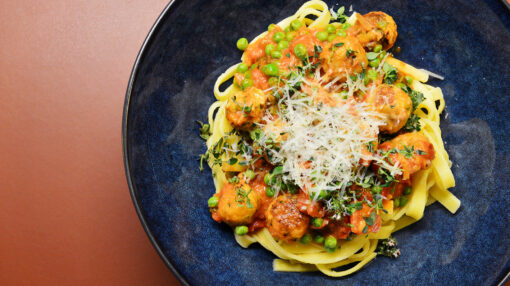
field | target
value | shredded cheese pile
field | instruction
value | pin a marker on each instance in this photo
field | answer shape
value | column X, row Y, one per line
column 320, row 146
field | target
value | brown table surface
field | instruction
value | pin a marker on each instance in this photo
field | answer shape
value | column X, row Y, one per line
column 66, row 217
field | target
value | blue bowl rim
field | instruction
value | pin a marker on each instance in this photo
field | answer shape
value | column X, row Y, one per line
column 127, row 167
column 507, row 4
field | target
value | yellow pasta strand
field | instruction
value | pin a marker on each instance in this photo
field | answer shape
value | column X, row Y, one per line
column 288, row 266
column 408, row 69
column 418, row 198
column 447, row 199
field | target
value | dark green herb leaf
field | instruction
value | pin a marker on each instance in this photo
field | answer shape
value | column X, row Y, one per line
column 413, row 123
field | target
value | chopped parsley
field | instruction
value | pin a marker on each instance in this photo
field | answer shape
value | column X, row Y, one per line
column 370, row 146
column 412, row 124
column 339, row 15
column 242, row 196
column 205, row 132
column 390, row 73
column 371, row 219
column 349, row 53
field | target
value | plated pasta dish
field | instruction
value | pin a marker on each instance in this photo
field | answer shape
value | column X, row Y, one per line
column 325, row 144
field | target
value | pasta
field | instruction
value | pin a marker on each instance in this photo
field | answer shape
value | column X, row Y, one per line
column 389, row 187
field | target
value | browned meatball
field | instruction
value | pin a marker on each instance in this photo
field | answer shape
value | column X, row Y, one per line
column 237, row 204
column 394, row 104
column 284, row 220
column 246, row 107
column 365, row 32
column 385, row 24
column 342, row 56
column 374, row 28
column 414, row 152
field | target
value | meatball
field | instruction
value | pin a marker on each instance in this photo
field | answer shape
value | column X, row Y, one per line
column 339, row 229
column 246, row 107
column 384, row 24
column 365, row 32
column 394, row 104
column 237, row 204
column 342, row 56
column 284, row 220
column 413, row 152
column 374, row 28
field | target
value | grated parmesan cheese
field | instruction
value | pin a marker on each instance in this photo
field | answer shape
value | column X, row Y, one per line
column 323, row 144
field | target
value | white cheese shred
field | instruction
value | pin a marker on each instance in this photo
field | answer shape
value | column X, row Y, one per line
column 320, row 146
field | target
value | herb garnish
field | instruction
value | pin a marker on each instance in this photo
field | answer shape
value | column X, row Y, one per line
column 388, row 247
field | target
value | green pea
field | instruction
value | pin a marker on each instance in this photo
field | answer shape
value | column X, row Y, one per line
column 272, row 81
column 277, row 37
column 319, row 238
column 346, row 26
column 305, row 239
column 408, row 190
column 247, row 82
column 330, row 244
column 269, row 192
column 296, row 24
column 396, row 202
column 372, row 75
column 213, row 201
column 267, row 178
column 409, row 80
column 331, row 38
column 403, row 201
column 341, row 33
column 242, row 44
column 241, row 230
column 378, row 48
column 270, row 69
column 286, row 30
column 242, row 67
column 269, row 48
column 249, row 174
column 290, row 36
column 282, row 45
column 331, row 29
column 317, row 221
column 322, row 35
column 377, row 189
column 276, row 54
column 300, row 51
column 271, row 27
column 375, row 63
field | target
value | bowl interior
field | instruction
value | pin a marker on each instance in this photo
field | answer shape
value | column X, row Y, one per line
column 468, row 42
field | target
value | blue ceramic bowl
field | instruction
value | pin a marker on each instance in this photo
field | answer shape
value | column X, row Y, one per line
column 193, row 42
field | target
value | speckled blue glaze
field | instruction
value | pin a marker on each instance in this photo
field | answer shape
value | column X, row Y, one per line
column 171, row 87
